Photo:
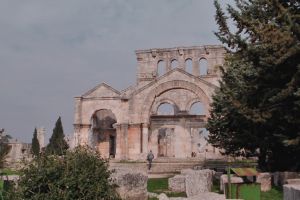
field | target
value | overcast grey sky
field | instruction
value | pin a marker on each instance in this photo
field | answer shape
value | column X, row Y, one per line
column 54, row 50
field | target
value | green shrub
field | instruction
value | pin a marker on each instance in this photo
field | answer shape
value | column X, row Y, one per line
column 80, row 174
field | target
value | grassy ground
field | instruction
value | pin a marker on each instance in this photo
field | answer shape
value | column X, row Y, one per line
column 160, row 185
column 274, row 194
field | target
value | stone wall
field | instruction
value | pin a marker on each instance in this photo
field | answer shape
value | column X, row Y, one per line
column 18, row 153
column 291, row 192
column 135, row 106
column 148, row 60
column 280, row 178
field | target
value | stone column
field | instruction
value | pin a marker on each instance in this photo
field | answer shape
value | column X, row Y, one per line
column 124, row 140
column 196, row 67
column 121, row 141
column 41, row 136
column 181, row 62
column 168, row 65
column 145, row 128
column 78, row 109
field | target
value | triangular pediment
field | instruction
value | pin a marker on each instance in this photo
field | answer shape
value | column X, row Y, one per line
column 174, row 75
column 102, row 90
column 181, row 74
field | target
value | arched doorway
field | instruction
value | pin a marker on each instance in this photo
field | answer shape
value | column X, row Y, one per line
column 104, row 133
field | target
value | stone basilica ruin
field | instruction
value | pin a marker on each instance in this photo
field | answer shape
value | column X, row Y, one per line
column 166, row 111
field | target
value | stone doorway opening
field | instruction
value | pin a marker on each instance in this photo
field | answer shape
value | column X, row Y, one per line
column 104, row 133
column 164, row 141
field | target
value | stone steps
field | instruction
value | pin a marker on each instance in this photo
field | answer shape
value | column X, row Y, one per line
column 170, row 167
column 161, row 167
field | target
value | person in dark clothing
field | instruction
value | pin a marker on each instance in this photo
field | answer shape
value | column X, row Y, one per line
column 150, row 157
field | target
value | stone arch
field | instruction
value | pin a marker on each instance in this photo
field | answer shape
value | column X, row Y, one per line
column 156, row 105
column 203, row 66
column 165, row 109
column 197, row 108
column 174, row 63
column 161, row 67
column 106, row 118
column 89, row 109
column 191, row 102
column 170, row 85
column 103, row 132
column 189, row 65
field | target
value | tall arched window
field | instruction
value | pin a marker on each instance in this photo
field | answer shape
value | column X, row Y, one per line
column 203, row 66
column 161, row 68
column 189, row 66
column 197, row 109
column 174, row 63
column 165, row 109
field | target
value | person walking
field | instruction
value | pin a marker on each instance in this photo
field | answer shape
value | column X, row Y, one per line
column 150, row 157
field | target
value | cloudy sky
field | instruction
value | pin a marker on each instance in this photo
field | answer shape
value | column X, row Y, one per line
column 54, row 50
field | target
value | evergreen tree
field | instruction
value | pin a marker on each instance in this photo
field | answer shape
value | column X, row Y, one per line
column 256, row 111
column 35, row 145
column 57, row 144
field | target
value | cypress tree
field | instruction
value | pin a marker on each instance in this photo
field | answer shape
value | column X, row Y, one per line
column 57, row 144
column 256, row 111
column 35, row 145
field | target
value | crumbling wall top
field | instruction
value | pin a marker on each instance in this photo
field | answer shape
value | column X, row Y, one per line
column 179, row 57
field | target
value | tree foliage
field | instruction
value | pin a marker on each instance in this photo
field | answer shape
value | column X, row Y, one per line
column 4, row 147
column 80, row 174
column 57, row 143
column 35, row 145
column 256, row 111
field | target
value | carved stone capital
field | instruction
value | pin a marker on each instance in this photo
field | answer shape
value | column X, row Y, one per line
column 145, row 125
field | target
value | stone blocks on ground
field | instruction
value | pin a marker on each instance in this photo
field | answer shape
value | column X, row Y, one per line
column 203, row 196
column 197, row 181
column 163, row 196
column 280, row 178
column 208, row 196
column 177, row 183
column 233, row 179
column 291, row 192
column 265, row 179
column 132, row 184
column 295, row 181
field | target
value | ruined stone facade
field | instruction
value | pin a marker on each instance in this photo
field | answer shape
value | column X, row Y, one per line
column 127, row 124
column 19, row 151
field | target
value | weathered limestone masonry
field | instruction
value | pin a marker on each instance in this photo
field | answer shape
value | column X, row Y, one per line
column 41, row 132
column 127, row 124
column 19, row 151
